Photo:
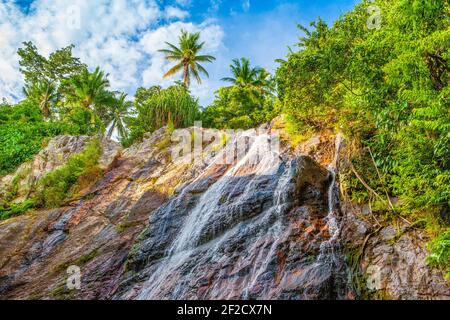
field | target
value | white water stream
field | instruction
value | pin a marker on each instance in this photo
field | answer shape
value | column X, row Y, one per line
column 260, row 160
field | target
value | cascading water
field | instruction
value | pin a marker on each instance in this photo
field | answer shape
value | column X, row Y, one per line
column 259, row 161
column 330, row 261
column 245, row 235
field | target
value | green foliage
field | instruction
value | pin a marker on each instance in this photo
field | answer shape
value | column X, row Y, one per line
column 23, row 131
column 387, row 90
column 156, row 107
column 44, row 76
column 62, row 97
column 36, row 68
column 239, row 108
column 187, row 57
column 22, row 134
column 80, row 171
column 82, row 121
column 246, row 76
column 8, row 210
column 247, row 103
column 440, row 253
column 118, row 113
column 87, row 257
column 59, row 184
column 90, row 90
column 44, row 95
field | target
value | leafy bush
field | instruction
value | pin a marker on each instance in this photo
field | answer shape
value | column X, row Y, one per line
column 440, row 253
column 23, row 131
column 15, row 209
column 22, row 134
column 80, row 172
column 387, row 90
column 156, row 107
column 82, row 121
column 239, row 108
column 59, row 184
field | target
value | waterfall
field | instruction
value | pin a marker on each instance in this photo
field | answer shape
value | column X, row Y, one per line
column 237, row 229
column 209, row 201
column 259, row 161
column 330, row 261
column 276, row 230
column 333, row 194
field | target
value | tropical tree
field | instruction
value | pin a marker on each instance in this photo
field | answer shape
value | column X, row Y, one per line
column 118, row 112
column 187, row 57
column 156, row 107
column 60, row 65
column 244, row 75
column 247, row 103
column 238, row 107
column 44, row 93
column 90, row 90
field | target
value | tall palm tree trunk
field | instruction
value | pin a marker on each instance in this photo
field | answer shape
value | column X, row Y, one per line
column 186, row 75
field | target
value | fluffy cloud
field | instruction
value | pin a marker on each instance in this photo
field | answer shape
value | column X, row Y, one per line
column 120, row 36
column 152, row 41
column 177, row 13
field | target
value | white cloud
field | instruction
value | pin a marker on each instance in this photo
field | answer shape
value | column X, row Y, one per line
column 154, row 40
column 120, row 36
column 174, row 12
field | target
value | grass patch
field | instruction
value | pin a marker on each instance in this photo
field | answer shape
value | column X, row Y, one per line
column 15, row 209
column 80, row 171
column 79, row 262
column 63, row 293
column 121, row 227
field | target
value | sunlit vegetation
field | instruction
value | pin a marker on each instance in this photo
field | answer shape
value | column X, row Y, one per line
column 156, row 107
column 63, row 182
column 385, row 89
column 248, row 102
column 57, row 186
column 187, row 57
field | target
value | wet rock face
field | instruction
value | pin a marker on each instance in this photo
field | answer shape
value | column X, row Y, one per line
column 393, row 261
column 95, row 233
column 252, row 231
column 264, row 226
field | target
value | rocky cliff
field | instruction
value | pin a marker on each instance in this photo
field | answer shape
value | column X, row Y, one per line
column 266, row 225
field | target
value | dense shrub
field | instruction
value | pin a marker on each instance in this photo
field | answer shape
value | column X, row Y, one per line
column 59, row 184
column 22, row 134
column 239, row 108
column 80, row 172
column 156, row 107
column 387, row 90
column 23, row 131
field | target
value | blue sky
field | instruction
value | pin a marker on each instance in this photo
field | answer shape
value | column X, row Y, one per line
column 123, row 36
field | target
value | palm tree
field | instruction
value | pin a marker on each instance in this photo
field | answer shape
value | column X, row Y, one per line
column 90, row 90
column 251, row 77
column 187, row 57
column 45, row 94
column 118, row 112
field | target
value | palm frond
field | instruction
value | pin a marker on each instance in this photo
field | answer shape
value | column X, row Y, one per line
column 173, row 70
